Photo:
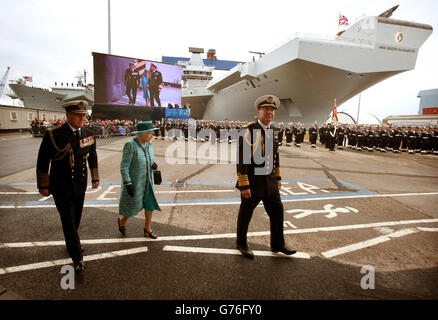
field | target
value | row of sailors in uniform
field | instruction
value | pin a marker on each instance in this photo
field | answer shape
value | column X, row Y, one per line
column 214, row 134
column 183, row 129
column 358, row 137
column 382, row 138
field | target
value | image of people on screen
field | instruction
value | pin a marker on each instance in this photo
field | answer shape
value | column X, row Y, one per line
column 136, row 82
column 155, row 85
column 132, row 82
column 144, row 85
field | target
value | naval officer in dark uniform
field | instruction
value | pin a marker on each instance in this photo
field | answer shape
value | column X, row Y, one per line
column 259, row 179
column 132, row 83
column 66, row 149
column 155, row 85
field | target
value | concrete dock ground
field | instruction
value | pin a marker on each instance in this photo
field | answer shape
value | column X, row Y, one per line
column 365, row 226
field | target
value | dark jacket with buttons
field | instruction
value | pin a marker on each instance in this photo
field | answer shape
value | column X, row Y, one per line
column 67, row 157
column 252, row 141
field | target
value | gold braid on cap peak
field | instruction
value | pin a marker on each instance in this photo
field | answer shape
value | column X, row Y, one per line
column 269, row 101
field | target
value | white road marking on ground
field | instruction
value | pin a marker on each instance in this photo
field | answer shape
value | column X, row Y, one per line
column 289, row 224
column 18, row 193
column 384, row 230
column 367, row 243
column 428, row 229
column 234, row 202
column 53, row 263
column 196, row 191
column 217, row 236
column 301, row 255
column 328, row 208
column 109, row 190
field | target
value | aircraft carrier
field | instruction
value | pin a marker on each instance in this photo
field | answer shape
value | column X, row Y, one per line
column 307, row 72
column 53, row 98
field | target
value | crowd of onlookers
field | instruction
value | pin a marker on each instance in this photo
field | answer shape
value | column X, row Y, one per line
column 101, row 128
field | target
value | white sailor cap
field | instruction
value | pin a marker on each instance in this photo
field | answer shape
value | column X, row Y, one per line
column 267, row 101
column 76, row 106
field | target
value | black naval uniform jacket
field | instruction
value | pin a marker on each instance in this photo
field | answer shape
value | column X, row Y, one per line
column 155, row 79
column 68, row 157
column 313, row 134
column 260, row 185
column 263, row 185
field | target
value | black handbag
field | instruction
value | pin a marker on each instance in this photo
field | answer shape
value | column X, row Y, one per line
column 157, row 177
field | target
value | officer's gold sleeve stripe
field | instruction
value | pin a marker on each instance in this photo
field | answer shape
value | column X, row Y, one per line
column 95, row 174
column 277, row 172
column 242, row 180
column 42, row 180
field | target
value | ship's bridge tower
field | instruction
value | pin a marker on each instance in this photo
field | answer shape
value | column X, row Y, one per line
column 195, row 74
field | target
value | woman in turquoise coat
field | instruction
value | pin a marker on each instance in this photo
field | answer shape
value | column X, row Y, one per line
column 137, row 187
column 144, row 85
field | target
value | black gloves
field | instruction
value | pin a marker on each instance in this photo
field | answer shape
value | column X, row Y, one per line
column 130, row 189
column 154, row 166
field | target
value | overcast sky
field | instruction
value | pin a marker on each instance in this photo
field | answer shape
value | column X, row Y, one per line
column 53, row 39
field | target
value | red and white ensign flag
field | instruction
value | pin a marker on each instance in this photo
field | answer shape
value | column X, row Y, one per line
column 335, row 113
column 343, row 21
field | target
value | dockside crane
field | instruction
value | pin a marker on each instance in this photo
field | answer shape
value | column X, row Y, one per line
column 3, row 82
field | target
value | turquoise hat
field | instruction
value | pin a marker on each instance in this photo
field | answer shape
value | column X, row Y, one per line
column 144, row 127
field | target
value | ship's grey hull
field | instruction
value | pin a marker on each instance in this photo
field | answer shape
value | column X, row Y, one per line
column 39, row 98
column 306, row 90
column 307, row 74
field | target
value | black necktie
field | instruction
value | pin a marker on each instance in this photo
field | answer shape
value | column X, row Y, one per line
column 77, row 137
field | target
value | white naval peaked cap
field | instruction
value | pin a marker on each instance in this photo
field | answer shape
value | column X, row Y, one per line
column 76, row 106
column 267, row 101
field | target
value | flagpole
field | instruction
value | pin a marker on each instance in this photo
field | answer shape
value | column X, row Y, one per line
column 109, row 26
column 336, row 109
column 358, row 110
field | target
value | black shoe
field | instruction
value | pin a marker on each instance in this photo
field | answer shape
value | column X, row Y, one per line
column 246, row 251
column 79, row 267
column 150, row 234
column 121, row 229
column 285, row 250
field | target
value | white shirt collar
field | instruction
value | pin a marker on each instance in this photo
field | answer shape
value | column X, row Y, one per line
column 73, row 129
column 262, row 125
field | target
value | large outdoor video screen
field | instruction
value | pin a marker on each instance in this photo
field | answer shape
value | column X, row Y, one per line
column 136, row 82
